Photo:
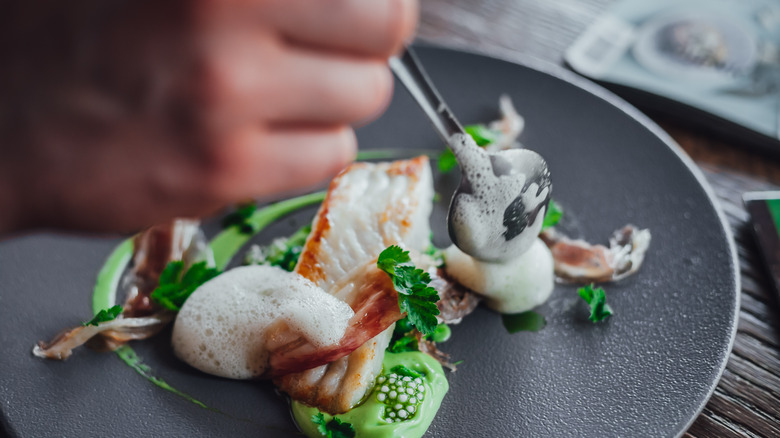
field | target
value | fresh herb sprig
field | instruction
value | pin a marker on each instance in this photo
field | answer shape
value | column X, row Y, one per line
column 176, row 286
column 240, row 218
column 283, row 252
column 104, row 315
column 553, row 215
column 415, row 297
column 597, row 300
column 334, row 428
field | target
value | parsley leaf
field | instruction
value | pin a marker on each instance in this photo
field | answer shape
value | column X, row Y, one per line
column 528, row 321
column 447, row 161
column 481, row 134
column 597, row 300
column 240, row 218
column 104, row 315
column 174, row 287
column 415, row 297
column 553, row 215
column 334, row 428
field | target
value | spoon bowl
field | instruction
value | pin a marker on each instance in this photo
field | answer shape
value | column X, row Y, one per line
column 499, row 207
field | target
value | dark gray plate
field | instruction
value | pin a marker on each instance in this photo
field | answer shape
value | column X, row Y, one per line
column 647, row 371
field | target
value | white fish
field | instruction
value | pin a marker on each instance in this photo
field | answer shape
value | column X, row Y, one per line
column 368, row 208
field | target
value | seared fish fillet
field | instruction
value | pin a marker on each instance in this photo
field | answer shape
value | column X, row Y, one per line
column 368, row 208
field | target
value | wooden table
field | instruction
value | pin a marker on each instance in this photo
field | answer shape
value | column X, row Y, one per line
column 746, row 402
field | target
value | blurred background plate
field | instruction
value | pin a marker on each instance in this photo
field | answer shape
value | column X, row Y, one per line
column 647, row 371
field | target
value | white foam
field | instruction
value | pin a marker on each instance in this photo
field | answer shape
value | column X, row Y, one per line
column 222, row 327
column 477, row 218
column 518, row 285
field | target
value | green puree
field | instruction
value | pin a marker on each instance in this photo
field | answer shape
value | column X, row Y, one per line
column 368, row 418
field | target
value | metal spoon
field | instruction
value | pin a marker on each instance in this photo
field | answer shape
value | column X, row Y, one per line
column 498, row 210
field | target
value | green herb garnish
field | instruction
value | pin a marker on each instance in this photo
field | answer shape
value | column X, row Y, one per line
column 404, row 338
column 482, row 136
column 283, row 252
column 404, row 344
column 597, row 300
column 402, row 370
column 174, row 288
column 334, row 428
column 529, row 321
column 240, row 218
column 553, row 215
column 415, row 297
column 104, row 315
column 447, row 161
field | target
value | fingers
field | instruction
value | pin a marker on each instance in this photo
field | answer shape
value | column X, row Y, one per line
column 257, row 163
column 376, row 28
column 250, row 81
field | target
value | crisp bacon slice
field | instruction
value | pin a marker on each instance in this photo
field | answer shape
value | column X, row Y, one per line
column 375, row 304
column 368, row 208
column 180, row 239
column 578, row 261
column 116, row 332
column 153, row 249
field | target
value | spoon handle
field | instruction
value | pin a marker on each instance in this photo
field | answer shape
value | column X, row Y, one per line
column 410, row 72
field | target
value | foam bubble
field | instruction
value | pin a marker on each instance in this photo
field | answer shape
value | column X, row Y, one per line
column 222, row 329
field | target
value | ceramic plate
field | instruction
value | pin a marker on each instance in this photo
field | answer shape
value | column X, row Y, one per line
column 647, row 371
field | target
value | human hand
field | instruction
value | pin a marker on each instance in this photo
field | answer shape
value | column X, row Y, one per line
column 119, row 115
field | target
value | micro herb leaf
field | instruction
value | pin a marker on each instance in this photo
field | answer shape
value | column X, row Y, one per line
column 240, row 218
column 553, row 215
column 481, row 134
column 447, row 161
column 415, row 297
column 402, row 370
column 174, row 288
column 529, row 321
column 171, row 273
column 597, row 300
column 334, row 428
column 285, row 252
column 319, row 420
column 104, row 315
column 404, row 344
